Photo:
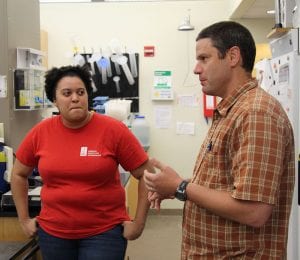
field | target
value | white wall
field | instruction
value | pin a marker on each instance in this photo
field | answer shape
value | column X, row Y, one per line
column 136, row 25
column 260, row 28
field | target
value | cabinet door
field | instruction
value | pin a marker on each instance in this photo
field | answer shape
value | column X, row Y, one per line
column 10, row 230
column 132, row 194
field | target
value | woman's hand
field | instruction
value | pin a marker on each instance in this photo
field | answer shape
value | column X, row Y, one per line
column 132, row 229
column 29, row 226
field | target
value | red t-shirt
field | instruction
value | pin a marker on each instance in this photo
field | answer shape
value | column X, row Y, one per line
column 82, row 194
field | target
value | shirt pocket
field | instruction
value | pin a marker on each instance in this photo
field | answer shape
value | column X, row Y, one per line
column 215, row 169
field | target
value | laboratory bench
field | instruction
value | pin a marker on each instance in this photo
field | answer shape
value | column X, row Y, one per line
column 14, row 245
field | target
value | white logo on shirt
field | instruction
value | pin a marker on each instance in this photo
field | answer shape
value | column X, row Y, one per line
column 84, row 151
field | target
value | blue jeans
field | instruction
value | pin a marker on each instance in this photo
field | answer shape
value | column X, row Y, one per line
column 110, row 245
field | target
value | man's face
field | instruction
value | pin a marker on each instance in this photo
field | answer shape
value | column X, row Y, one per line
column 214, row 72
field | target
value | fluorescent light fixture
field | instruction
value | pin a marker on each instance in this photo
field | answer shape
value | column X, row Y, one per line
column 125, row 0
column 65, row 1
column 271, row 12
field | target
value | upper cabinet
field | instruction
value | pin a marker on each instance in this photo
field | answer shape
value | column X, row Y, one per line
column 29, row 91
column 28, row 58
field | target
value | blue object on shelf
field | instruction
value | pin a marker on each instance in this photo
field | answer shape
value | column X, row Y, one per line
column 98, row 104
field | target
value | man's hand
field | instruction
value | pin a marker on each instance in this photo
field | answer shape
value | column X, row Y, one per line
column 162, row 184
column 155, row 199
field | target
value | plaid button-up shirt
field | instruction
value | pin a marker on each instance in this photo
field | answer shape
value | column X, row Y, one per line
column 249, row 152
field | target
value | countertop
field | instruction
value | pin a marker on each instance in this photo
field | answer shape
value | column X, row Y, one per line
column 14, row 250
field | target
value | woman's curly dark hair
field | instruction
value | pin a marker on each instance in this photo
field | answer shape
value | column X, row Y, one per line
column 56, row 74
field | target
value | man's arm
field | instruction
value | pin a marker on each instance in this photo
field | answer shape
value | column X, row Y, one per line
column 221, row 203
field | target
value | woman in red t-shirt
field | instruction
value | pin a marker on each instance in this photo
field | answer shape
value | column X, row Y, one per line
column 78, row 153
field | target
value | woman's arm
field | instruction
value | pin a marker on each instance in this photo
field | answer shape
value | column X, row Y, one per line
column 138, row 224
column 19, row 188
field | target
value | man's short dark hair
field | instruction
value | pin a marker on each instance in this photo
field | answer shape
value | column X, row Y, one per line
column 227, row 34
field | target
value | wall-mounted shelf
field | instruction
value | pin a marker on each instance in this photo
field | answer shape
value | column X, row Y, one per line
column 278, row 32
column 29, row 80
column 28, row 58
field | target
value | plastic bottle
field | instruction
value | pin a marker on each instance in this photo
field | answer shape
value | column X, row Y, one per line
column 141, row 130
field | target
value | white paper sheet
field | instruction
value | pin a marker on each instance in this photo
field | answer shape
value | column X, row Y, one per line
column 163, row 116
column 3, row 86
column 188, row 100
column 185, row 128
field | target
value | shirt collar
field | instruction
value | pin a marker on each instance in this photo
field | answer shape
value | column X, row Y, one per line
column 226, row 103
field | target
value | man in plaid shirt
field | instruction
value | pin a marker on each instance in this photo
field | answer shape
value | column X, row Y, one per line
column 238, row 202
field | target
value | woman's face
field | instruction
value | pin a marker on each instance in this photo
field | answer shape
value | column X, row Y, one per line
column 71, row 99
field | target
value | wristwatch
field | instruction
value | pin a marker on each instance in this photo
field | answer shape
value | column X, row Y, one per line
column 180, row 193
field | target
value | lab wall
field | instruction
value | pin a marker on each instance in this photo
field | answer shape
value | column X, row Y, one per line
column 91, row 26
column 16, row 30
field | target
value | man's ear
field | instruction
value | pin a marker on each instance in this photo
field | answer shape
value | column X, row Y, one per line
column 234, row 55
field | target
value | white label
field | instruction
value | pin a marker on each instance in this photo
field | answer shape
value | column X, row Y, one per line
column 83, row 151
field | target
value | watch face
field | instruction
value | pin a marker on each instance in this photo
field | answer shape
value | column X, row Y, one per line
column 180, row 195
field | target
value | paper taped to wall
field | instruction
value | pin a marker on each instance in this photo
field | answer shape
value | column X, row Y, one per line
column 3, row 86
